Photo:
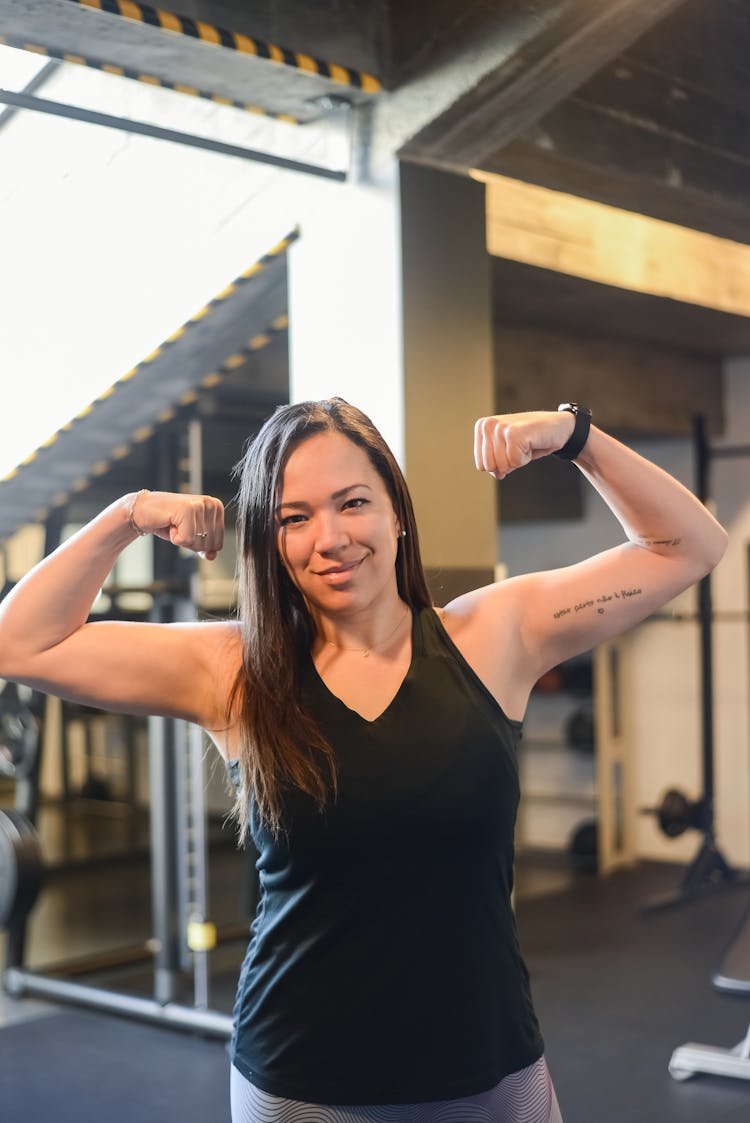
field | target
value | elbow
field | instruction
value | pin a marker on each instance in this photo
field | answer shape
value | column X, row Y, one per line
column 6, row 657
column 14, row 668
column 720, row 546
column 12, row 665
column 9, row 668
column 17, row 652
column 713, row 548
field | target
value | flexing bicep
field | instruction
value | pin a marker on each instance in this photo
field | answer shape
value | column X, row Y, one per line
column 566, row 611
column 174, row 670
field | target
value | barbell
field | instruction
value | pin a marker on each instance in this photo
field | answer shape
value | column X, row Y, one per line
column 676, row 813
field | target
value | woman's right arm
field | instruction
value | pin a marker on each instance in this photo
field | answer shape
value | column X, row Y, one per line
column 177, row 670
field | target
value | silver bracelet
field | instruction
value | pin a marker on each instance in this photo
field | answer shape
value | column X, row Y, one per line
column 131, row 512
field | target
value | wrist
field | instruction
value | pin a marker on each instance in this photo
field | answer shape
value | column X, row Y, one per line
column 575, row 443
column 131, row 512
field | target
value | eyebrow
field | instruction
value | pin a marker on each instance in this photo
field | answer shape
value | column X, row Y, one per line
column 301, row 505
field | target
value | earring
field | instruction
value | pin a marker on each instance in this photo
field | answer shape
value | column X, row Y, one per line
column 402, row 534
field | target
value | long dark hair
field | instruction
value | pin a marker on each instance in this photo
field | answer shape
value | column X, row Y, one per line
column 280, row 743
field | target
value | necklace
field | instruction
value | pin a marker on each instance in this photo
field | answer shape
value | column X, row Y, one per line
column 365, row 651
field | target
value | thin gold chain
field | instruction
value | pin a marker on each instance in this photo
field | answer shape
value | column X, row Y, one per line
column 365, row 651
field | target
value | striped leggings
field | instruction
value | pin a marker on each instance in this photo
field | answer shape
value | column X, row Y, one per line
column 523, row 1097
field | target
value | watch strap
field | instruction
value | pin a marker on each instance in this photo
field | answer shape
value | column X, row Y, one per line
column 577, row 439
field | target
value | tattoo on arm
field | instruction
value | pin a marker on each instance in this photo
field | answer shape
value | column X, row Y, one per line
column 648, row 542
column 597, row 603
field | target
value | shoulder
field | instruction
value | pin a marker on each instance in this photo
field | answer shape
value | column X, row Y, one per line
column 218, row 642
column 500, row 604
column 222, row 635
column 485, row 625
column 218, row 646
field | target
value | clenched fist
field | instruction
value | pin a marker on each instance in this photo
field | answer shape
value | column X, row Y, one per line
column 195, row 522
column 510, row 440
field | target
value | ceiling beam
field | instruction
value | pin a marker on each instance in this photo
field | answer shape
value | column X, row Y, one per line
column 581, row 151
column 570, row 235
column 155, row 45
column 549, row 51
column 639, row 137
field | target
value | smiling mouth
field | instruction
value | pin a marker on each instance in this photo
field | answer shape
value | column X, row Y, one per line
column 337, row 570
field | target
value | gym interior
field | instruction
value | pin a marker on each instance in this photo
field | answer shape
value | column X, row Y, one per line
column 437, row 212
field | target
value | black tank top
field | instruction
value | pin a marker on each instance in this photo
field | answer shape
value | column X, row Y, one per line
column 384, row 964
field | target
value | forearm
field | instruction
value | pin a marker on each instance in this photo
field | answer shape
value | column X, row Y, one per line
column 54, row 599
column 673, row 541
column 655, row 510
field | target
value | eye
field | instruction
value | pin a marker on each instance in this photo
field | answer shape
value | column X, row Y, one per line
column 291, row 520
column 356, row 502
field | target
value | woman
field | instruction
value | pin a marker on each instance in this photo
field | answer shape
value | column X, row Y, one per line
column 373, row 739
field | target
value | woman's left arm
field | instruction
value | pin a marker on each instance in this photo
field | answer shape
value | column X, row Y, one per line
column 672, row 542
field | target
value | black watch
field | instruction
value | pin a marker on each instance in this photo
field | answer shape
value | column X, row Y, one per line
column 577, row 439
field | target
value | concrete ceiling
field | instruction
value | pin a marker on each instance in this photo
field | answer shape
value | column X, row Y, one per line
column 645, row 106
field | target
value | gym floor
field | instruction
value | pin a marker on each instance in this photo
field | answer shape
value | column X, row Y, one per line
column 616, row 991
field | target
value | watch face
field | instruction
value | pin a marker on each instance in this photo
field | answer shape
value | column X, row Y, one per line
column 574, row 407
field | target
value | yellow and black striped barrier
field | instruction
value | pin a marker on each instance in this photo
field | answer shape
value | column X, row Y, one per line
column 235, row 41
column 209, row 380
column 138, row 76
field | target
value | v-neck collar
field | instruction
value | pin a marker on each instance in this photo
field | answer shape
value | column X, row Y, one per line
column 337, row 703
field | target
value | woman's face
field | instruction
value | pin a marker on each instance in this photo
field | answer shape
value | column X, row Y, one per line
column 337, row 529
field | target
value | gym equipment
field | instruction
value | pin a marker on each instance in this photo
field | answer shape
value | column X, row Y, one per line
column 574, row 676
column 19, row 735
column 182, row 933
column 687, row 1060
column 677, row 814
column 709, row 869
column 579, row 729
column 583, row 846
column 21, row 867
column 734, row 973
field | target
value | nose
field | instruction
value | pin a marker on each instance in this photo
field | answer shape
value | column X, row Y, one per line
column 330, row 534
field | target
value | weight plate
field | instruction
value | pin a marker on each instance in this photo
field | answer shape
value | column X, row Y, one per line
column 580, row 731
column 19, row 735
column 21, row 866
